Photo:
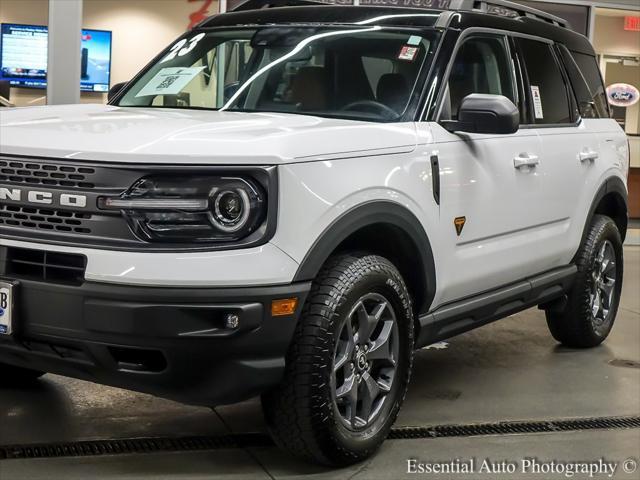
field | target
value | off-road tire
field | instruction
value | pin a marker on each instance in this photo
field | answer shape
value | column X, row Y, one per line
column 300, row 413
column 575, row 326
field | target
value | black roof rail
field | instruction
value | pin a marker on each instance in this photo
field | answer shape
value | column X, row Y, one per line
column 259, row 4
column 496, row 7
column 505, row 8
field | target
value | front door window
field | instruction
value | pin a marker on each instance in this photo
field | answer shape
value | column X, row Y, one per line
column 482, row 65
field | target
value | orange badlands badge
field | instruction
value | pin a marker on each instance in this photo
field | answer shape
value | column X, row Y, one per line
column 459, row 223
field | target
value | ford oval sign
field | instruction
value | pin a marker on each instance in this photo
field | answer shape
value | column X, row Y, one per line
column 622, row 95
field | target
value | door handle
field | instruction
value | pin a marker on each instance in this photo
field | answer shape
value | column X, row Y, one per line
column 588, row 156
column 526, row 160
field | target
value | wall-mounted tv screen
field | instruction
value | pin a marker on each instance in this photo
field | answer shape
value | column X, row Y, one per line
column 23, row 57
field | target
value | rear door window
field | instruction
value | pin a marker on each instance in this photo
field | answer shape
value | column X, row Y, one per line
column 547, row 91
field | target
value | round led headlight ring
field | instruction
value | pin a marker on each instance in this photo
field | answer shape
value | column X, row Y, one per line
column 231, row 209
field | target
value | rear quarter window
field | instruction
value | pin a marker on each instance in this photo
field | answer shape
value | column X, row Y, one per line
column 588, row 66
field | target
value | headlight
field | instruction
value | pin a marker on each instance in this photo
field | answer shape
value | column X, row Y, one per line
column 231, row 209
column 185, row 209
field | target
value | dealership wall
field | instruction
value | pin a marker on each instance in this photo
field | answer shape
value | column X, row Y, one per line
column 611, row 37
column 141, row 28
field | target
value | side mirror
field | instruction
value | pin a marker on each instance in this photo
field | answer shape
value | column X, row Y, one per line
column 480, row 113
column 113, row 91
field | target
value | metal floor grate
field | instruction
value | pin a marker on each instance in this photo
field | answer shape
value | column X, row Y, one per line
column 249, row 440
column 509, row 428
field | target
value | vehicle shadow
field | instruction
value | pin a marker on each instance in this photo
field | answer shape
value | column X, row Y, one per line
column 34, row 412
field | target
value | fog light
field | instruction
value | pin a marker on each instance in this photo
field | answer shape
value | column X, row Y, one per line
column 287, row 306
column 232, row 321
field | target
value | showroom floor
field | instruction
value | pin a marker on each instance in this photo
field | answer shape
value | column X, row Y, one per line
column 511, row 370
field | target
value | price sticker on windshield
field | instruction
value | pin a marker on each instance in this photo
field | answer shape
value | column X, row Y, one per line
column 169, row 81
column 408, row 53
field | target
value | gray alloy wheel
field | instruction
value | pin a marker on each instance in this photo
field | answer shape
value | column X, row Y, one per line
column 348, row 365
column 603, row 290
column 364, row 362
column 588, row 313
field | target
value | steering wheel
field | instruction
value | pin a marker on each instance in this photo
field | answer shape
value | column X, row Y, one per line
column 383, row 109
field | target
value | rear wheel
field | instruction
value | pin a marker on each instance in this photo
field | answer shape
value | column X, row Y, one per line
column 349, row 365
column 592, row 304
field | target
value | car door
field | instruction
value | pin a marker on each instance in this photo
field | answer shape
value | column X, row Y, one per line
column 570, row 145
column 494, row 220
column 595, row 164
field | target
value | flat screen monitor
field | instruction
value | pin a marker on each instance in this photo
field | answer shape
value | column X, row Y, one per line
column 23, row 57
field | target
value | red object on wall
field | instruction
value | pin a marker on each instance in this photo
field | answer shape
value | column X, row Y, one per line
column 632, row 24
column 201, row 14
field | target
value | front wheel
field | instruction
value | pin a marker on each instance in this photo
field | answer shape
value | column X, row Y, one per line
column 349, row 365
column 592, row 304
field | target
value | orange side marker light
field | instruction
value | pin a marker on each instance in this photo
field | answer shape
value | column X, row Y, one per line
column 281, row 308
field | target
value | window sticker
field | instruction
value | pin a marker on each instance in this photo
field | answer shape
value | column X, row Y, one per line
column 408, row 53
column 414, row 40
column 169, row 81
column 537, row 102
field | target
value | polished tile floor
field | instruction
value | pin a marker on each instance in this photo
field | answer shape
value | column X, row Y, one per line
column 510, row 370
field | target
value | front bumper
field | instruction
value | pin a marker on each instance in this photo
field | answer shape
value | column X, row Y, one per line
column 169, row 342
column 264, row 265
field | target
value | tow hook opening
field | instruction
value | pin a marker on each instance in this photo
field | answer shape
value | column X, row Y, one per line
column 138, row 360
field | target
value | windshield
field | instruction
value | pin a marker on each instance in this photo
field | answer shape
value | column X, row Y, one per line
column 365, row 73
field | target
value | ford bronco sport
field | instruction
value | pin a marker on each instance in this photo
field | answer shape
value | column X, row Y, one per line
column 289, row 201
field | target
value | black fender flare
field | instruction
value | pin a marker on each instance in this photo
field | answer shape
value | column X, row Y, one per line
column 610, row 185
column 367, row 214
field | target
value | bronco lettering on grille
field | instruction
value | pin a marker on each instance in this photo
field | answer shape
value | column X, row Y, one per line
column 43, row 198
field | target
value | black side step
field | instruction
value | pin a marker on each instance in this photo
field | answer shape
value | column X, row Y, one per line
column 464, row 315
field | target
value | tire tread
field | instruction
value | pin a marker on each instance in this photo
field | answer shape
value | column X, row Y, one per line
column 294, row 413
column 572, row 327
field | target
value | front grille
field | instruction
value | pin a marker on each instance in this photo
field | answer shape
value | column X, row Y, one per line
column 22, row 263
column 45, row 219
column 83, row 226
column 48, row 174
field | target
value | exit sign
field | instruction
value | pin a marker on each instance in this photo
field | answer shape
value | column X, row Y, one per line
column 632, row 23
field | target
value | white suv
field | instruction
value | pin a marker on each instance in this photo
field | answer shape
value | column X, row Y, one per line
column 289, row 201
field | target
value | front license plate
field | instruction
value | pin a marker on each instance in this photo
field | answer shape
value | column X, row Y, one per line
column 6, row 308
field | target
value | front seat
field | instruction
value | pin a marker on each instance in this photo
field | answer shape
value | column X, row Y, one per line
column 309, row 89
column 393, row 91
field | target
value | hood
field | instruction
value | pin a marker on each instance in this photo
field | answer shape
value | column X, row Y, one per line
column 159, row 135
